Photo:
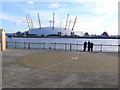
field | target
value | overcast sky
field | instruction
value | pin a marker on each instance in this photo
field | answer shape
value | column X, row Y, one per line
column 93, row 16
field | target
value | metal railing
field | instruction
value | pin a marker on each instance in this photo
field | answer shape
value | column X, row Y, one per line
column 62, row 46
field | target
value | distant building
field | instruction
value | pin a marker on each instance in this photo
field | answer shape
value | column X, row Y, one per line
column 86, row 34
column 18, row 33
column 10, row 34
column 49, row 31
column 105, row 34
column 52, row 30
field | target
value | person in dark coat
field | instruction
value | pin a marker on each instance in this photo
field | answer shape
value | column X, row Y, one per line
column 85, row 46
column 89, row 45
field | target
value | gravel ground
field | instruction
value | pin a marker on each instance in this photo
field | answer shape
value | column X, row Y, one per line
column 24, row 68
column 82, row 62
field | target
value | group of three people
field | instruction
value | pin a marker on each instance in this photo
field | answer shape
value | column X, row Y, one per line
column 88, row 45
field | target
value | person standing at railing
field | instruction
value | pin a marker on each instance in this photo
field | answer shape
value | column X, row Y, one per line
column 91, row 46
column 85, row 46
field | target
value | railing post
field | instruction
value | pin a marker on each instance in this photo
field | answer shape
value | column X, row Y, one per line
column 54, row 46
column 65, row 46
column 118, row 48
column 77, row 46
column 6, row 44
column 70, row 46
column 24, row 45
column 28, row 45
column 44, row 46
column 40, row 45
column 15, row 44
column 101, row 48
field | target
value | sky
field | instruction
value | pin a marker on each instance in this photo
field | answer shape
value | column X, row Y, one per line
column 93, row 16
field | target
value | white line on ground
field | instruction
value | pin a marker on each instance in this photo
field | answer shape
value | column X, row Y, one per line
column 59, row 63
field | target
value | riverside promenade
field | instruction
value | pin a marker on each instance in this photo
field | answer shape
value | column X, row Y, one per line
column 23, row 68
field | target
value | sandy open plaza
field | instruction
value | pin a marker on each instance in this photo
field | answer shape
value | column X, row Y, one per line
column 23, row 68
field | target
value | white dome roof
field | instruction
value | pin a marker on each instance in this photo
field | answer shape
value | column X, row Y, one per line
column 49, row 30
